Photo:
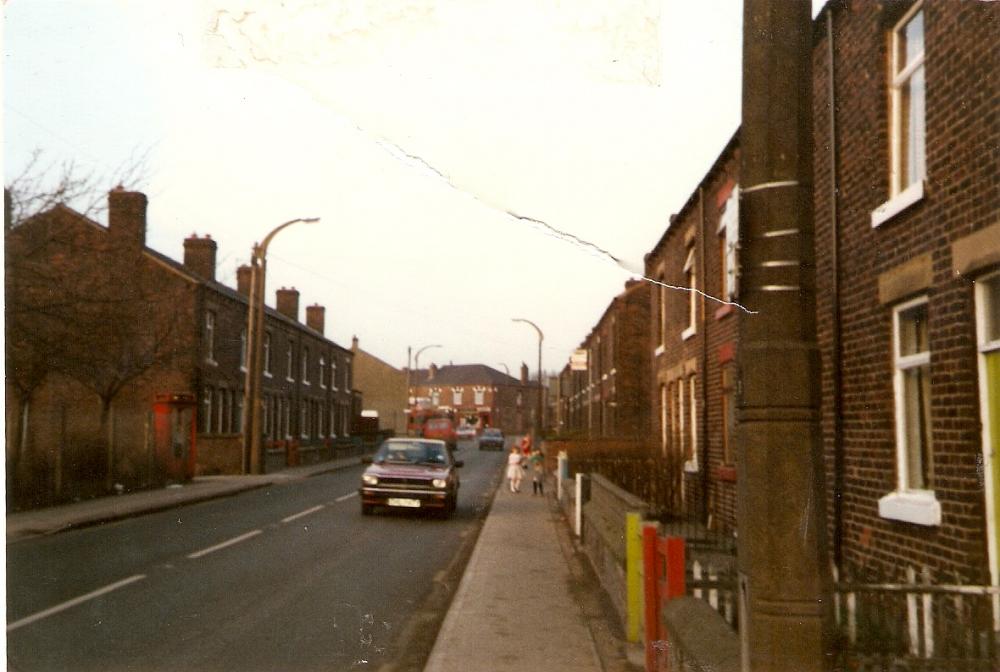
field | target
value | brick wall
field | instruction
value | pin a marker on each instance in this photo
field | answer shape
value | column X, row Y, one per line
column 961, row 196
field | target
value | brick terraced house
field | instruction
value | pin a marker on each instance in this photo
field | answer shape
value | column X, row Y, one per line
column 99, row 324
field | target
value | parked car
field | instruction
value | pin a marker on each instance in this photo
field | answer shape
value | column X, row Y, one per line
column 491, row 439
column 411, row 473
column 443, row 429
column 466, row 432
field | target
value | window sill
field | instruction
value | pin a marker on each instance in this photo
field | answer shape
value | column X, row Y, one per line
column 690, row 467
column 689, row 332
column 920, row 507
column 659, row 350
column 268, row 374
column 211, row 362
column 898, row 203
column 289, row 380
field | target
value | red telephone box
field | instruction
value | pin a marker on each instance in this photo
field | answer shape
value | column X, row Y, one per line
column 174, row 434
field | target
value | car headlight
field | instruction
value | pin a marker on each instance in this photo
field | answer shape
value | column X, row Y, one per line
column 368, row 479
column 439, row 483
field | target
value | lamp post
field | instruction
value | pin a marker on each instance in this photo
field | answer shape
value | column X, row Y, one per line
column 416, row 360
column 538, row 416
column 253, row 461
column 505, row 368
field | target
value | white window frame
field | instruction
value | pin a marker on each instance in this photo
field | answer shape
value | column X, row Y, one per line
column 305, row 366
column 664, row 418
column 902, row 196
column 267, row 354
column 456, row 396
column 290, row 362
column 691, row 466
column 435, row 396
column 304, row 418
column 661, row 316
column 692, row 278
column 322, row 372
column 347, row 373
column 479, row 396
column 206, row 403
column 243, row 349
column 729, row 229
column 288, row 418
column 333, row 373
column 913, row 505
column 210, row 320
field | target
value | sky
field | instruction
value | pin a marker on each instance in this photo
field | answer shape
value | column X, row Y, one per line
column 456, row 151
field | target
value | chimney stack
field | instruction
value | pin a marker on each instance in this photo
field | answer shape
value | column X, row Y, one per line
column 432, row 371
column 127, row 216
column 288, row 302
column 315, row 317
column 524, row 373
column 354, row 344
column 199, row 255
column 243, row 276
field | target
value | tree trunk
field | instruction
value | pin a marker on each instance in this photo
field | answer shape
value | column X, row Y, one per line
column 108, row 432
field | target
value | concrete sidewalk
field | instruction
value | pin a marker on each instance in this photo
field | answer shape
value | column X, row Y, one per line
column 516, row 608
column 106, row 509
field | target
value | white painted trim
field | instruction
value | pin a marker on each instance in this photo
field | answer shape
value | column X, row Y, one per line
column 989, row 455
column 898, row 203
column 920, row 507
column 691, row 466
column 899, row 365
column 659, row 350
column 689, row 332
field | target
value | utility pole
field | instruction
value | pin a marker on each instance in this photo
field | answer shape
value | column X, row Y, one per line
column 538, row 410
column 783, row 573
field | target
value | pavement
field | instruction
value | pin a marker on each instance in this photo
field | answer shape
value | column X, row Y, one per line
column 40, row 522
column 527, row 600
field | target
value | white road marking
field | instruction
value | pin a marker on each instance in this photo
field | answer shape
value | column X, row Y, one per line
column 75, row 601
column 217, row 547
column 346, row 497
column 301, row 513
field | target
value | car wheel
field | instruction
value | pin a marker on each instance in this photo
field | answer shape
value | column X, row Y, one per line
column 367, row 509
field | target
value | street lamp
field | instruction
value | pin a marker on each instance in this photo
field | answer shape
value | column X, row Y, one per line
column 538, row 417
column 505, row 368
column 253, row 461
column 409, row 374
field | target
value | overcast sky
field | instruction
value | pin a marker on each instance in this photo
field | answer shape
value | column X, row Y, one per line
column 413, row 128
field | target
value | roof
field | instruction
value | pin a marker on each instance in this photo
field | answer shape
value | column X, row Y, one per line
column 191, row 276
column 465, row 374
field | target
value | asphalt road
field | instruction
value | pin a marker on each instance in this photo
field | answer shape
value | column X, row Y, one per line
column 291, row 577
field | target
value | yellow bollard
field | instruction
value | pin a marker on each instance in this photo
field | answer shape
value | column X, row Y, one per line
column 633, row 575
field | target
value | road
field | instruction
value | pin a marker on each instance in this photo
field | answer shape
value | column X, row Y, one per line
column 290, row 577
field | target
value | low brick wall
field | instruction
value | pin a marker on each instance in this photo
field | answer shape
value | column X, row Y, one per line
column 698, row 638
column 221, row 454
column 604, row 536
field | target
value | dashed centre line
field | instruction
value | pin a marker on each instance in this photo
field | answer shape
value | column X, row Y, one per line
column 344, row 498
column 301, row 513
column 75, row 601
column 224, row 544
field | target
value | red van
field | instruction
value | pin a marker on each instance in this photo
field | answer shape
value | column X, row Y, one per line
column 442, row 429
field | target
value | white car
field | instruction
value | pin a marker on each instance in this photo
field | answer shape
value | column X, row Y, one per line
column 466, row 432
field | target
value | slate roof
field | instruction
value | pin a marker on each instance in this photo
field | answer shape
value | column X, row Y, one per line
column 464, row 374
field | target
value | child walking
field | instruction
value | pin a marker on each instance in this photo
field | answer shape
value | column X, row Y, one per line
column 514, row 469
column 537, row 462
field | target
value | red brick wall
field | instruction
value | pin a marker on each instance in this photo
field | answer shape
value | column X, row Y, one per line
column 962, row 194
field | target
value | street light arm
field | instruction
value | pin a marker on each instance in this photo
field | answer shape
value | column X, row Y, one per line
column 541, row 336
column 262, row 248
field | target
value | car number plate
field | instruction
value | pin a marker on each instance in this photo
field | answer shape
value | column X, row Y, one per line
column 398, row 501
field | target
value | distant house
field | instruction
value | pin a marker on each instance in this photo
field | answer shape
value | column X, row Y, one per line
column 476, row 394
column 99, row 324
column 383, row 388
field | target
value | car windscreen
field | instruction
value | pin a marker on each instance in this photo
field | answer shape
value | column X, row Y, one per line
column 492, row 432
column 411, row 452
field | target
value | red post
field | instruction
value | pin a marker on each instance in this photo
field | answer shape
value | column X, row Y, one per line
column 676, row 582
column 652, row 610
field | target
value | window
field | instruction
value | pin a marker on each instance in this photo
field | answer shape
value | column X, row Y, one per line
column 664, row 416
column 347, row 374
column 479, row 396
column 289, row 362
column 243, row 349
column 267, row 354
column 729, row 231
column 661, row 313
column 210, row 336
column 435, row 397
column 305, row 365
column 322, row 371
column 907, row 114
column 913, row 500
column 456, row 396
column 692, row 284
column 288, row 419
column 206, row 415
column 304, row 419
column 220, row 410
column 691, row 444
column 333, row 374
column 907, row 91
column 238, row 411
